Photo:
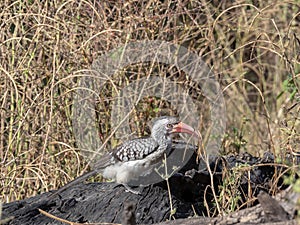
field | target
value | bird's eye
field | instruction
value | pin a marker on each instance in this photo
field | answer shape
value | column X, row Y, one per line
column 169, row 125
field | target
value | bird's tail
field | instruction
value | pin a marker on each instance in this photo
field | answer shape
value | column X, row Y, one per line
column 74, row 182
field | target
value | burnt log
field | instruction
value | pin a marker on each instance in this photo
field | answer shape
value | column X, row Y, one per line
column 188, row 198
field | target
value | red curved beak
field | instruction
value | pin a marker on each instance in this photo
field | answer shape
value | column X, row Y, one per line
column 184, row 128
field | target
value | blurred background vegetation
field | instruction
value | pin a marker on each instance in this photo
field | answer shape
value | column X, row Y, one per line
column 252, row 47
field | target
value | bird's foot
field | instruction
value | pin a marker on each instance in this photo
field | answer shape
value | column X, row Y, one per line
column 131, row 190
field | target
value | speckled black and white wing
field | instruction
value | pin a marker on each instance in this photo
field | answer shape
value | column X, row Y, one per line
column 135, row 149
column 134, row 158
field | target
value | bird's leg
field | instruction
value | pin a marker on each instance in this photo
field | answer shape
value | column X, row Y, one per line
column 129, row 189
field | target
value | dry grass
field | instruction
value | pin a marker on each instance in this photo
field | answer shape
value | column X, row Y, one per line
column 252, row 47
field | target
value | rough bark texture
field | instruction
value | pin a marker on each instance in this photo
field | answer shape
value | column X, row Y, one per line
column 110, row 203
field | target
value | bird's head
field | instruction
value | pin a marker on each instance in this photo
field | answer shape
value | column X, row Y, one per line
column 165, row 126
